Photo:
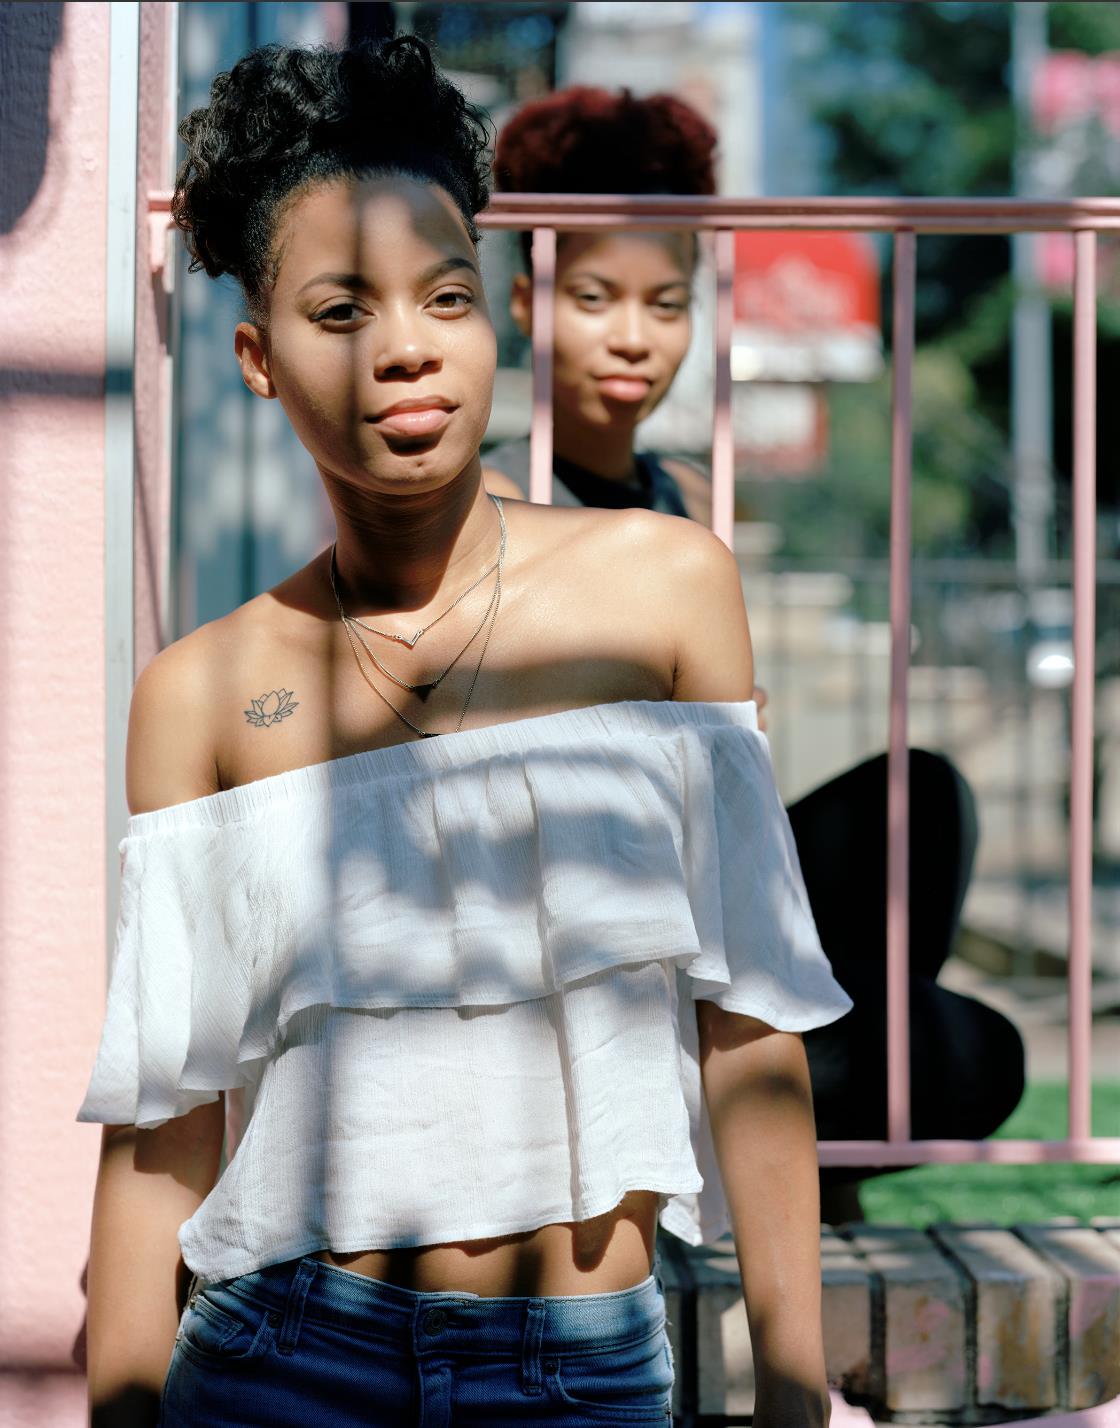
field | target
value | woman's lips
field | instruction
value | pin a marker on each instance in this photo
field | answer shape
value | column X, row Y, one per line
column 423, row 421
column 625, row 389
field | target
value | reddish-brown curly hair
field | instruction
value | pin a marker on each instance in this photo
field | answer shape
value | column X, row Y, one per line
column 584, row 140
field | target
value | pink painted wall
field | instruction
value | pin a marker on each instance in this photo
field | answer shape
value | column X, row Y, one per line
column 54, row 69
column 155, row 160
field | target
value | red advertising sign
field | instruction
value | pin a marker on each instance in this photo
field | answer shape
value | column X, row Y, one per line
column 806, row 307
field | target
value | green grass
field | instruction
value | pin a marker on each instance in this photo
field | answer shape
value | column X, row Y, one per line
column 1008, row 1194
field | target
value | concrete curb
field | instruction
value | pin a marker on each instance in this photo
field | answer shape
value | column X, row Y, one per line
column 964, row 1323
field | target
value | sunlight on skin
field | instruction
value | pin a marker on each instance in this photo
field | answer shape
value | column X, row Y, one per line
column 378, row 301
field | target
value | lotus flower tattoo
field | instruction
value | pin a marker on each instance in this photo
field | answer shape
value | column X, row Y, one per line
column 271, row 708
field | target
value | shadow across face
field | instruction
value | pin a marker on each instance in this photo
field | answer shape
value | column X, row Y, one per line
column 378, row 342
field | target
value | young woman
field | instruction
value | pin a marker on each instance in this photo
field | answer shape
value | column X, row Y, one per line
column 622, row 329
column 502, row 999
column 623, row 304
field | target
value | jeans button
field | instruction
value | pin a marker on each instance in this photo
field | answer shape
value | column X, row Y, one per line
column 549, row 1365
column 434, row 1320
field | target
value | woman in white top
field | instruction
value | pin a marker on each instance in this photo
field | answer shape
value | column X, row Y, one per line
column 501, row 1004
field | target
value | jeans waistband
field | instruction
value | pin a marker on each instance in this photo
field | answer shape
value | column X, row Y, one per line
column 307, row 1290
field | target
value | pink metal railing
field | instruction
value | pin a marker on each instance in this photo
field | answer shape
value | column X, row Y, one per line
column 898, row 763
column 905, row 218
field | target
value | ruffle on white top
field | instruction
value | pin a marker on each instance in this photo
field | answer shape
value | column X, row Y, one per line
column 454, row 968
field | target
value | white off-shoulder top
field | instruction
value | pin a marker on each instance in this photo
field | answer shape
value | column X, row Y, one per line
column 458, row 976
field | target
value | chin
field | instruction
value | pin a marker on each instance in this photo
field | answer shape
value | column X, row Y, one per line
column 619, row 418
column 426, row 469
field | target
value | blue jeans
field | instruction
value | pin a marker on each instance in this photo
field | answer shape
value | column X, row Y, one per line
column 301, row 1344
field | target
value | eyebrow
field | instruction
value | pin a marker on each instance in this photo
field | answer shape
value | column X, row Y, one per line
column 608, row 283
column 358, row 280
column 448, row 265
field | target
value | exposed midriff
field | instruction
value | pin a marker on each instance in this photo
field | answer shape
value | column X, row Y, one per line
column 598, row 1256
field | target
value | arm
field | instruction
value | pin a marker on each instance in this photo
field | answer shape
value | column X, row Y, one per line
column 756, row 1086
column 150, row 1181
column 755, row 1079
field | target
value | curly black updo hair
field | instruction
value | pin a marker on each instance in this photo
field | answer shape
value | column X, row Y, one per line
column 285, row 117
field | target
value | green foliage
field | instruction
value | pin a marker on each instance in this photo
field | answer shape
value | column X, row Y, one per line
column 1086, row 25
column 1008, row 1194
column 846, row 511
column 912, row 97
column 930, row 114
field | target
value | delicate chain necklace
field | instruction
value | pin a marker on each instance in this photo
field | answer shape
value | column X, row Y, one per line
column 349, row 622
column 413, row 640
column 425, row 687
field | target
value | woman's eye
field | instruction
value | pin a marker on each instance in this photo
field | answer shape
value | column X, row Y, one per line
column 671, row 309
column 456, row 300
column 341, row 312
column 592, row 300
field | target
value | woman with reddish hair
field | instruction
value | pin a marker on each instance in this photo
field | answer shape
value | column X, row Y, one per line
column 623, row 300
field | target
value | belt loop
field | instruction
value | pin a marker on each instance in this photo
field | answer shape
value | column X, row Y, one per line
column 293, row 1309
column 531, row 1347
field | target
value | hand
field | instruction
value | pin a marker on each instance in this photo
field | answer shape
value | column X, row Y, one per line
column 761, row 699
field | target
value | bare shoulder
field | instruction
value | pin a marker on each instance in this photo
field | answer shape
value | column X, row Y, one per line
column 681, row 557
column 174, row 720
column 691, row 582
column 663, row 552
column 669, row 580
column 167, row 744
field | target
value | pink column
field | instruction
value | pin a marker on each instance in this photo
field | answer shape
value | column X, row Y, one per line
column 1084, row 657
column 723, row 436
column 544, row 301
column 898, row 759
column 155, row 161
column 52, row 738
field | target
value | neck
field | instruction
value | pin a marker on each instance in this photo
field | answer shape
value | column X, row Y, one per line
column 604, row 451
column 402, row 551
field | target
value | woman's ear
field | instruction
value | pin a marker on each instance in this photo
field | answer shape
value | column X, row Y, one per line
column 252, row 353
column 521, row 304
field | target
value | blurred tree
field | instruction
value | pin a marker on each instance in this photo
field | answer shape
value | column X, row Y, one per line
column 847, row 512
column 1091, row 27
column 912, row 97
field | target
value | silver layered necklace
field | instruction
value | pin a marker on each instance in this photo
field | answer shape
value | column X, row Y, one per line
column 422, row 689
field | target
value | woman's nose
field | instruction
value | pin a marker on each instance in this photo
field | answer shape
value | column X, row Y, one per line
column 404, row 348
column 628, row 335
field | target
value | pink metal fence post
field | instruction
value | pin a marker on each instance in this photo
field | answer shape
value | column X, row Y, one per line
column 723, row 436
column 1084, row 650
column 898, row 758
column 544, row 298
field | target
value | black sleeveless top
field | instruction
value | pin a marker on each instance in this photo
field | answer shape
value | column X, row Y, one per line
column 656, row 489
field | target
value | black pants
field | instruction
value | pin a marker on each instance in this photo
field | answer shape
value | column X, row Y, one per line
column 966, row 1060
